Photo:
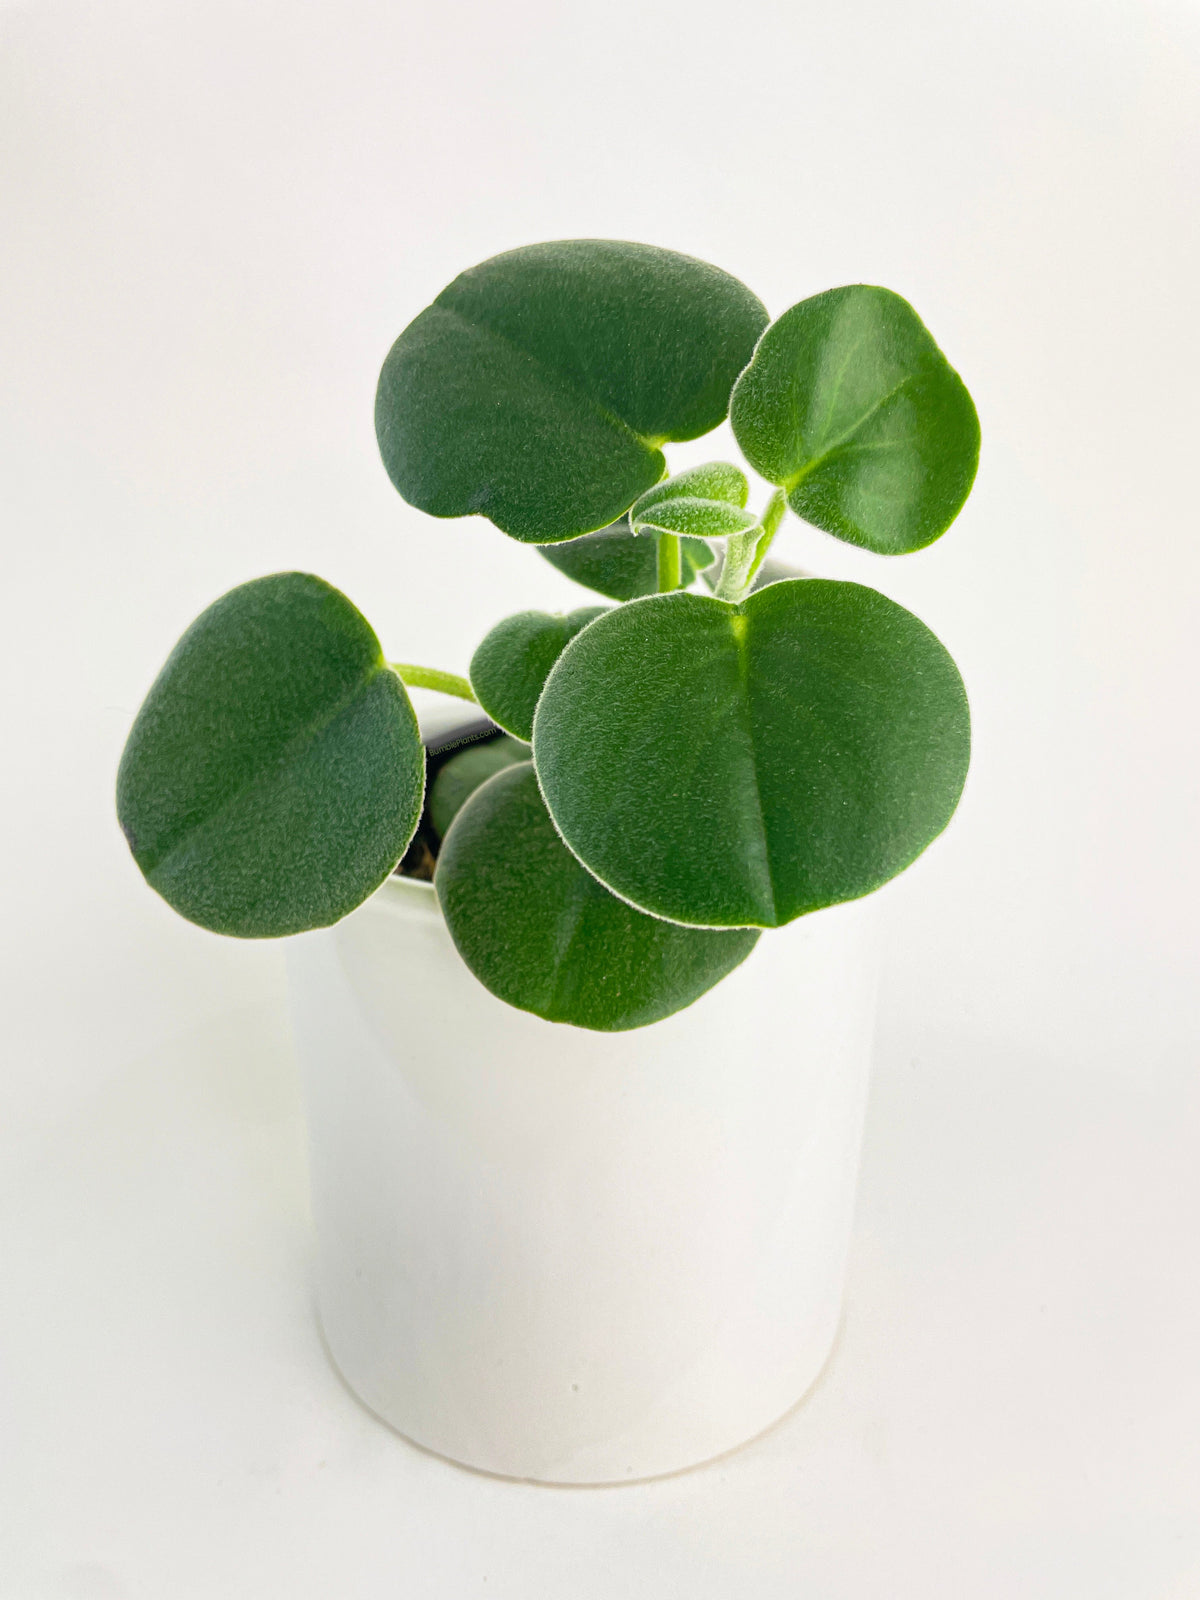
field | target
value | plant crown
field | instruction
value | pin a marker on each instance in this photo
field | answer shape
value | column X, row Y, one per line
column 678, row 771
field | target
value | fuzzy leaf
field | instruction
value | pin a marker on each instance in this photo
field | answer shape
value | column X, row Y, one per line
column 539, row 386
column 851, row 407
column 714, row 480
column 511, row 664
column 543, row 935
column 825, row 745
column 460, row 776
column 621, row 566
column 701, row 519
column 274, row 776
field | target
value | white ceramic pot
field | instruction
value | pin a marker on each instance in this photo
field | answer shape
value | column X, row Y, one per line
column 570, row 1256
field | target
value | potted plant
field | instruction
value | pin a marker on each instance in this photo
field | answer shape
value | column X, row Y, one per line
column 583, row 1143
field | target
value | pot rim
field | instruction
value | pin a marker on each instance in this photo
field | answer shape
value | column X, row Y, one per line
column 406, row 896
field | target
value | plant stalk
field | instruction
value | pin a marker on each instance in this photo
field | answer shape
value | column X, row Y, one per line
column 744, row 552
column 772, row 519
column 431, row 678
column 670, row 564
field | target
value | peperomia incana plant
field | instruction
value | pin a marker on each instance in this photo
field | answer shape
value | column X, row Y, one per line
column 677, row 771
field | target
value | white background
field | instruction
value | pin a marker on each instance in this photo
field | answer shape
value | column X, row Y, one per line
column 214, row 219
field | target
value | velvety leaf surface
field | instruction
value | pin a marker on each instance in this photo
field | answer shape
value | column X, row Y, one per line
column 700, row 519
column 511, row 664
column 713, row 480
column 274, row 775
column 825, row 744
column 539, row 931
column 852, row 408
column 621, row 566
column 704, row 502
column 461, row 775
column 539, row 386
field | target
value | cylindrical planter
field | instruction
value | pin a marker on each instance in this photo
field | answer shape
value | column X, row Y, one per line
column 570, row 1256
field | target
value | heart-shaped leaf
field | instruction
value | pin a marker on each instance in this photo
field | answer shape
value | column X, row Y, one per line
column 851, row 407
column 615, row 563
column 539, row 386
column 512, row 663
column 273, row 778
column 538, row 930
column 824, row 744
column 460, row 776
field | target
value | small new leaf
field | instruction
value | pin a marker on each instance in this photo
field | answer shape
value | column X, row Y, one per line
column 714, row 480
column 701, row 519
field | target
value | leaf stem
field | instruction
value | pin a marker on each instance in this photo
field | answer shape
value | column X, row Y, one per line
column 772, row 517
column 744, row 552
column 670, row 568
column 432, row 678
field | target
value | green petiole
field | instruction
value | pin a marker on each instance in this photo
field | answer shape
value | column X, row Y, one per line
column 670, row 567
column 744, row 552
column 431, row 678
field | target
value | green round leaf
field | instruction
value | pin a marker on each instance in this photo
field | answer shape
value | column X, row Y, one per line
column 824, row 745
column 510, row 666
column 539, row 386
column 853, row 409
column 274, row 775
column 543, row 935
column 615, row 563
column 461, row 775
